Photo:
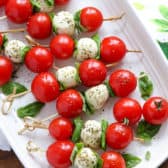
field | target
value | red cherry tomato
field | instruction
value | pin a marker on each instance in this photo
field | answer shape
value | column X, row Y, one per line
column 18, row 11
column 6, row 68
column 91, row 18
column 45, row 87
column 61, row 128
column 61, row 2
column 118, row 135
column 92, row 72
column 69, row 104
column 113, row 159
column 58, row 154
column 3, row 2
column 155, row 110
column 1, row 40
column 122, row 82
column 39, row 59
column 39, row 26
column 112, row 49
column 127, row 108
column 62, row 46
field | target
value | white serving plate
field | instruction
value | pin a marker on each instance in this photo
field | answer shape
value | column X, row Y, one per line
column 152, row 61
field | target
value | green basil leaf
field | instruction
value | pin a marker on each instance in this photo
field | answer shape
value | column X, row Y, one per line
column 76, row 149
column 78, row 25
column 36, row 5
column 89, row 108
column 104, row 125
column 145, row 86
column 77, row 131
column 161, row 23
column 147, row 155
column 111, row 93
column 131, row 160
column 5, row 41
column 30, row 110
column 99, row 161
column 50, row 2
column 164, row 47
column 24, row 51
column 97, row 39
column 164, row 11
column 147, row 131
column 8, row 88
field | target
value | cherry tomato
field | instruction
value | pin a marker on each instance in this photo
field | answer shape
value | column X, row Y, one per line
column 45, row 87
column 2, row 2
column 118, row 135
column 122, row 82
column 1, row 40
column 61, row 128
column 112, row 49
column 18, row 11
column 127, row 108
column 92, row 72
column 113, row 159
column 39, row 26
column 61, row 2
column 39, row 59
column 91, row 18
column 58, row 154
column 69, row 103
column 6, row 69
column 62, row 46
column 155, row 110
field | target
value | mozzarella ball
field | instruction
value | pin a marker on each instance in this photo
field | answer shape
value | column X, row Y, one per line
column 97, row 96
column 64, row 23
column 86, row 158
column 91, row 134
column 67, row 76
column 86, row 48
column 44, row 6
column 13, row 50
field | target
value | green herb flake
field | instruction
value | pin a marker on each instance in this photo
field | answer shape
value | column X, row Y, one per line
column 30, row 110
column 147, row 131
column 145, row 86
column 138, row 5
column 131, row 160
column 148, row 155
column 9, row 87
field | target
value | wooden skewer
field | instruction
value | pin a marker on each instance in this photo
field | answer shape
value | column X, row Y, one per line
column 14, row 30
column 31, row 147
column 114, row 17
column 139, row 139
column 135, row 51
column 3, row 17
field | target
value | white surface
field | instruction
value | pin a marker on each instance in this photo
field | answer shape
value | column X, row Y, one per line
column 151, row 61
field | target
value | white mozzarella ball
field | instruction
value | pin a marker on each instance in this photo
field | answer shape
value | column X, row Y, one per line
column 64, row 23
column 91, row 134
column 86, row 158
column 67, row 76
column 86, row 48
column 97, row 96
column 13, row 50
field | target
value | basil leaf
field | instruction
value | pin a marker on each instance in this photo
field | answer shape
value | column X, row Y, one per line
column 78, row 128
column 8, row 88
column 164, row 47
column 99, row 161
column 131, row 160
column 50, row 2
column 97, row 39
column 161, row 23
column 111, row 93
column 104, row 125
column 145, row 85
column 76, row 149
column 163, row 11
column 24, row 51
column 5, row 41
column 147, row 131
column 30, row 110
column 78, row 25
column 147, row 155
column 36, row 5
column 89, row 108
